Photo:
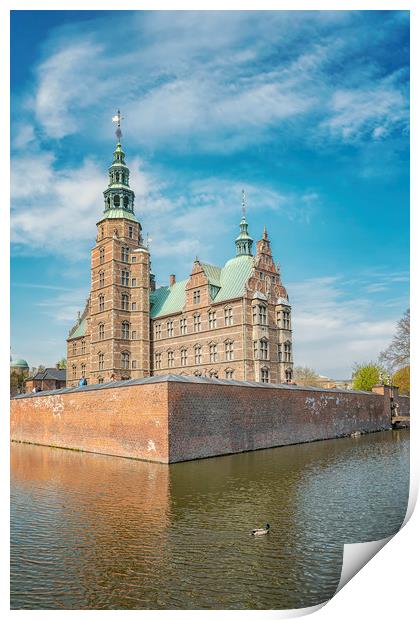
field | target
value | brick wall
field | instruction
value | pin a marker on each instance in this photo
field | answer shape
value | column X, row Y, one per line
column 172, row 419
column 403, row 405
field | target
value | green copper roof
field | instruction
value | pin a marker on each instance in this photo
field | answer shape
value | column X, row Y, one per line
column 230, row 280
column 114, row 214
column 78, row 330
column 19, row 363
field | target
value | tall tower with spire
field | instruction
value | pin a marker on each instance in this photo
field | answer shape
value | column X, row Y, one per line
column 115, row 324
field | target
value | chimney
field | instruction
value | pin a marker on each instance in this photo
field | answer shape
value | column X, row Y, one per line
column 172, row 279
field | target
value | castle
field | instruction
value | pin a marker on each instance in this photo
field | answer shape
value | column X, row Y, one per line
column 231, row 322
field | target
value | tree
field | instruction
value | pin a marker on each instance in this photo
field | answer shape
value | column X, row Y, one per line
column 306, row 376
column 397, row 355
column 401, row 379
column 365, row 376
column 62, row 363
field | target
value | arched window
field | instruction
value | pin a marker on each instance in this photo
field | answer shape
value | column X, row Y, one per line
column 264, row 375
column 228, row 316
column 101, row 255
column 171, row 359
column 198, row 356
column 74, row 371
column 108, row 202
column 184, row 357
column 287, row 349
column 101, row 358
column 117, row 177
column 125, row 360
column 125, row 330
column 124, row 254
column 213, row 352
column 124, row 301
column 229, row 373
column 101, row 303
column 289, row 374
column 116, row 200
column 213, row 374
column 126, row 201
column 229, row 350
column 101, row 330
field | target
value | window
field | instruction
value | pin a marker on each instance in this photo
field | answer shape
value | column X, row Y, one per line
column 229, row 373
column 74, row 371
column 158, row 360
column 264, row 375
column 101, row 279
column 125, row 277
column 116, row 200
column 124, row 254
column 197, row 373
column 286, row 319
column 213, row 352
column 134, row 306
column 83, row 344
column 133, row 281
column 83, row 370
column 158, row 331
column 134, row 259
column 212, row 319
column 102, row 232
column 261, row 275
column 170, row 328
column 100, row 379
column 125, row 360
column 255, row 349
column 287, row 348
column 101, row 303
column 100, row 361
column 117, row 177
column 183, row 326
column 229, row 350
column 196, row 297
column 101, row 255
column 184, row 357
column 263, row 349
column 279, row 352
column 213, row 374
column 130, row 236
column 101, row 331
column 74, row 348
column 124, row 301
column 125, row 330
column 262, row 314
column 228, row 316
column 289, row 374
column 133, row 335
column 197, row 350
column 126, row 201
column 134, row 364
column 197, row 323
column 171, row 358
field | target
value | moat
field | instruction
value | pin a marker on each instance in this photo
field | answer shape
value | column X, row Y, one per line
column 96, row 532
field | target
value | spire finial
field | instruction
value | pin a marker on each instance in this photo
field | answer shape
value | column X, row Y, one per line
column 243, row 203
column 265, row 235
column 117, row 119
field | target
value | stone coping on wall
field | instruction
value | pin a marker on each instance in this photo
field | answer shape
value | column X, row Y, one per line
column 186, row 379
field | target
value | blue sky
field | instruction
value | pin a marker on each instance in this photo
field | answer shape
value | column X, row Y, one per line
column 308, row 111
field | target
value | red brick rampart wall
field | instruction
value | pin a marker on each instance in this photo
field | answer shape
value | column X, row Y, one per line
column 174, row 420
column 129, row 421
column 206, row 420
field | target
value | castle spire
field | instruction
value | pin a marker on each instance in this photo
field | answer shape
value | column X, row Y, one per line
column 119, row 198
column 243, row 242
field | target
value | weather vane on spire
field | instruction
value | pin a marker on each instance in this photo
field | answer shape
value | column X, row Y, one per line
column 117, row 119
column 243, row 203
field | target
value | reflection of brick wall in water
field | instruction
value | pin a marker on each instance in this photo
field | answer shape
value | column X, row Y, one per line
column 109, row 502
column 176, row 420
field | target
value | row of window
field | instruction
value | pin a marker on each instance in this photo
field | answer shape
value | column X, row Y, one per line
column 198, row 355
column 118, row 177
column 124, row 279
column 125, row 331
column 125, row 303
column 82, row 347
column 170, row 325
column 130, row 232
column 118, row 201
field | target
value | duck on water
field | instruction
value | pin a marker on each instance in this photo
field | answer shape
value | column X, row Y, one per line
column 261, row 530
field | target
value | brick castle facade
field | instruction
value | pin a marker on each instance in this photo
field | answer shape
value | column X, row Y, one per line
column 231, row 322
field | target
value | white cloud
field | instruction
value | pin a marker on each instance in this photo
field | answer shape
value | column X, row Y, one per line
column 333, row 329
